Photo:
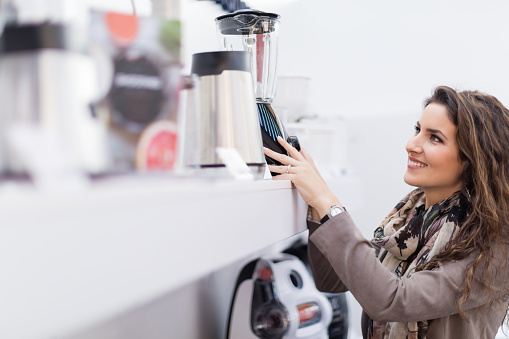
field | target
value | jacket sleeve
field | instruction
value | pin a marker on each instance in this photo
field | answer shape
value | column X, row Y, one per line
column 340, row 257
column 326, row 279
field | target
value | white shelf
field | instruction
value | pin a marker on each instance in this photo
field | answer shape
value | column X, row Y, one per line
column 70, row 260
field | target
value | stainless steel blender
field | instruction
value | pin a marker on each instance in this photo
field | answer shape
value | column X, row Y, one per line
column 257, row 32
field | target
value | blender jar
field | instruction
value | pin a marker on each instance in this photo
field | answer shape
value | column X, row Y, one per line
column 255, row 32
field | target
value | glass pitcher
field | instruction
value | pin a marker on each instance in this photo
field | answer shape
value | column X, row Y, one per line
column 255, row 32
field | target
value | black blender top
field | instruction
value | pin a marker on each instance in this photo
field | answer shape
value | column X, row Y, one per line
column 252, row 12
column 235, row 23
column 214, row 63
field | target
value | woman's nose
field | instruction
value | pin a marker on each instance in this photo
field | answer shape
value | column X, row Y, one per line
column 414, row 144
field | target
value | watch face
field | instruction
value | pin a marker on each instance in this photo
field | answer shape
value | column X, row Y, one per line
column 335, row 210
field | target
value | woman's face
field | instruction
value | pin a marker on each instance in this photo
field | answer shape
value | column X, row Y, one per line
column 433, row 156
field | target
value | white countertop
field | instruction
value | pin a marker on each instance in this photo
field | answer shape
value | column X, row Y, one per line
column 70, row 260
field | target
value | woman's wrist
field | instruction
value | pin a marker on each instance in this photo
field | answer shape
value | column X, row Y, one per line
column 323, row 206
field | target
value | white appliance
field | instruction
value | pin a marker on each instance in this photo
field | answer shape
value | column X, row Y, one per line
column 279, row 300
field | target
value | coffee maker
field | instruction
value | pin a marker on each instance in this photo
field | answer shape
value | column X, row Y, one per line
column 257, row 32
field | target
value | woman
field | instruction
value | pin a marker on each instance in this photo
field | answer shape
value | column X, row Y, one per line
column 437, row 265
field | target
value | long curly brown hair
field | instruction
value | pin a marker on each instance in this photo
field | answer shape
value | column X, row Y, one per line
column 483, row 137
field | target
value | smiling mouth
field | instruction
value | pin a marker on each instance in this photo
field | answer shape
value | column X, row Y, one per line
column 416, row 164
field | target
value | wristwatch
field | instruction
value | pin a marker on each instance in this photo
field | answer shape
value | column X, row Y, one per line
column 333, row 211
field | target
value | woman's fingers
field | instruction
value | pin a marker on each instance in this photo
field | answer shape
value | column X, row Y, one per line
column 290, row 149
column 282, row 169
column 282, row 158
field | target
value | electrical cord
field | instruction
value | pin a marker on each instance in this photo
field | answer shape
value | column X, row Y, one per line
column 134, row 7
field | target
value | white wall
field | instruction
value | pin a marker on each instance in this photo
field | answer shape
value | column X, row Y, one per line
column 383, row 57
column 198, row 29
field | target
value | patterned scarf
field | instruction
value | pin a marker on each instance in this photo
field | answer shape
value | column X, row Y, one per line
column 410, row 236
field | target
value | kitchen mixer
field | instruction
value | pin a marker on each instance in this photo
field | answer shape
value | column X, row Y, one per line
column 257, row 32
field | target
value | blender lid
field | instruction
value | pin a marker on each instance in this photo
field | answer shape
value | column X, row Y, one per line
column 214, row 63
column 247, row 21
column 252, row 12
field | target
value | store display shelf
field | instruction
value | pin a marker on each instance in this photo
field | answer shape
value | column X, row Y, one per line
column 72, row 259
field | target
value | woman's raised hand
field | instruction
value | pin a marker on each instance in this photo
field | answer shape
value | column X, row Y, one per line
column 301, row 170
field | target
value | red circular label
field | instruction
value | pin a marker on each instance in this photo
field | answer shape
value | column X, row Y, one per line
column 123, row 27
column 162, row 150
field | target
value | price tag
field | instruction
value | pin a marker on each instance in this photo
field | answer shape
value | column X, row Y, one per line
column 234, row 163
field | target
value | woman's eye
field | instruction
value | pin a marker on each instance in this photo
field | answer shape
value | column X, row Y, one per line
column 435, row 138
column 417, row 129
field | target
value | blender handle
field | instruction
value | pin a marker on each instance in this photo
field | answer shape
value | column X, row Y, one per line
column 294, row 141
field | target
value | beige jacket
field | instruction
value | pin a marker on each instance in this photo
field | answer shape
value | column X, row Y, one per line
column 342, row 259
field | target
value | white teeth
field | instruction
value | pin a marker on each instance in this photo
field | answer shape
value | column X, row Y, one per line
column 418, row 164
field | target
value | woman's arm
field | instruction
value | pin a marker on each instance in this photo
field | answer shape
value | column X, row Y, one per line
column 341, row 250
column 326, row 279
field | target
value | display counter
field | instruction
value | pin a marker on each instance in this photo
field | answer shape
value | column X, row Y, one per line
column 72, row 259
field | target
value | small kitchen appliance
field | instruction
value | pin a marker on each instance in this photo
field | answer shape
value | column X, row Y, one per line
column 226, row 115
column 283, row 299
column 338, row 328
column 257, row 32
column 47, row 84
